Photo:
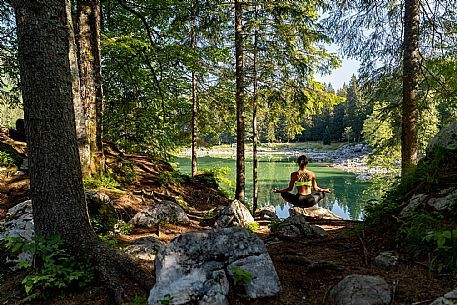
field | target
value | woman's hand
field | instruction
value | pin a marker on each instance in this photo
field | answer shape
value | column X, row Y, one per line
column 275, row 191
column 326, row 190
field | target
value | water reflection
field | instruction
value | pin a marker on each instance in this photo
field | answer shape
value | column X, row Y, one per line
column 345, row 201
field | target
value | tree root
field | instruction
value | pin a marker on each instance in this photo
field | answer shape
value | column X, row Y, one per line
column 114, row 267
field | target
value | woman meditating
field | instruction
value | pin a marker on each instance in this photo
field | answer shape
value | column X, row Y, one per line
column 303, row 180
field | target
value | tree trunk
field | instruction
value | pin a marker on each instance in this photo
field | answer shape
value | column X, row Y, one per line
column 78, row 104
column 240, row 165
column 410, row 112
column 88, row 40
column 44, row 45
column 194, row 107
column 255, row 189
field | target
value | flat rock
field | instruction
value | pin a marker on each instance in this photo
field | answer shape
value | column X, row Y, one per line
column 266, row 213
column 144, row 248
column 314, row 212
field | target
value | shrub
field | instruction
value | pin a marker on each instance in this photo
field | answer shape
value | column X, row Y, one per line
column 422, row 235
column 444, row 249
column 8, row 159
column 376, row 211
column 216, row 178
column 54, row 267
column 240, row 276
column 428, row 236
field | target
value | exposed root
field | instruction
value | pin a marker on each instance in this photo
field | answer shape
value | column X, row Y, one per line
column 117, row 270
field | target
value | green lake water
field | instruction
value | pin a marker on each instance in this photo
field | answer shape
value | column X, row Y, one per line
column 345, row 200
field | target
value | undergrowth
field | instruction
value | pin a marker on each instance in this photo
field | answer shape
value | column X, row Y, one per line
column 106, row 181
column 429, row 236
column 171, row 177
column 425, row 235
column 53, row 267
column 216, row 178
column 8, row 159
column 125, row 171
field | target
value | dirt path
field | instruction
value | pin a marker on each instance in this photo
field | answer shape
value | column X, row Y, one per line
column 307, row 268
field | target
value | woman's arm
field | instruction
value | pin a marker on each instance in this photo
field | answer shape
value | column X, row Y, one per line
column 293, row 178
column 315, row 187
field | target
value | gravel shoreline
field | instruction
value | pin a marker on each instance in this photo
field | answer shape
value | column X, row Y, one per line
column 349, row 157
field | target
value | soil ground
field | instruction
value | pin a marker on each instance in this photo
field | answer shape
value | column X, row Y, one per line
column 307, row 268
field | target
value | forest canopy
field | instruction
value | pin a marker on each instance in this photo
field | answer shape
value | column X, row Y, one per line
column 148, row 61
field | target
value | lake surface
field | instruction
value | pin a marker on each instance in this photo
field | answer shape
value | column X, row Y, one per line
column 346, row 200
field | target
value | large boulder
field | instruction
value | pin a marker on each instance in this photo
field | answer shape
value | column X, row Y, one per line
column 102, row 211
column 19, row 219
column 197, row 267
column 18, row 222
column 164, row 212
column 314, row 212
column 234, row 215
column 442, row 201
column 297, row 226
column 360, row 290
column 449, row 298
column 444, row 138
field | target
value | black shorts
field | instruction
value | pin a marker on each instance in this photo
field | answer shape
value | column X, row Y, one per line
column 303, row 201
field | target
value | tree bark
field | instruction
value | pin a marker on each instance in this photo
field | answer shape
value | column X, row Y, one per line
column 194, row 106
column 44, row 45
column 88, row 40
column 240, row 132
column 255, row 189
column 78, row 104
column 410, row 112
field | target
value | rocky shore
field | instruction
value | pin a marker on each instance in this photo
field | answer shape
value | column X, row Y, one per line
column 349, row 157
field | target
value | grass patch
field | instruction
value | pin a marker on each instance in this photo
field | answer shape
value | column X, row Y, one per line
column 252, row 226
column 106, row 181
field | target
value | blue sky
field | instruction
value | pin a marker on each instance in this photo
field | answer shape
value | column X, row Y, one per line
column 341, row 75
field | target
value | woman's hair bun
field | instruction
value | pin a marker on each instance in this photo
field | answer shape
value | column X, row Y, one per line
column 302, row 161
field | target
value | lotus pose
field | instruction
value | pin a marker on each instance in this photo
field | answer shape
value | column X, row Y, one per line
column 303, row 180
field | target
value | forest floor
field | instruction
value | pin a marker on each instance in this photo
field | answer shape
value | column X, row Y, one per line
column 307, row 268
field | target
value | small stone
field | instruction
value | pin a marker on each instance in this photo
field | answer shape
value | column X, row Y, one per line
column 386, row 259
column 235, row 214
column 360, row 289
